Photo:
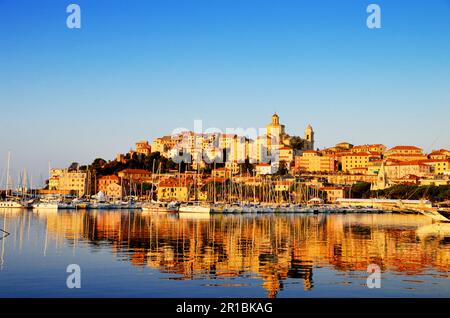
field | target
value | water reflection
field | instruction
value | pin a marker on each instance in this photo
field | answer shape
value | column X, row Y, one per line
column 273, row 248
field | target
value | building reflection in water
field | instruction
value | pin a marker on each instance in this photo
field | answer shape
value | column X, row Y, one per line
column 273, row 248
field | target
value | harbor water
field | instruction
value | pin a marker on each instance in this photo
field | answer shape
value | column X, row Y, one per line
column 125, row 253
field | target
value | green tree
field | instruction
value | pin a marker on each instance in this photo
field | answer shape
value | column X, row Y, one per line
column 297, row 143
column 282, row 169
column 360, row 189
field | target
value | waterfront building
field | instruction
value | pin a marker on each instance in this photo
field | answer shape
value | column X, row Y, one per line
column 114, row 190
column 64, row 181
column 173, row 190
column 333, row 193
column 105, row 181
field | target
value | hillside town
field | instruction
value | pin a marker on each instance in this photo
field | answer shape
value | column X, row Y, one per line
column 274, row 167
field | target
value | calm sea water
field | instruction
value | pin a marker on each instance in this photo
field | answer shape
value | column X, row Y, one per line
column 130, row 254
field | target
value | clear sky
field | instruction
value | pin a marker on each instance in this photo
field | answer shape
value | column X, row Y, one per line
column 138, row 69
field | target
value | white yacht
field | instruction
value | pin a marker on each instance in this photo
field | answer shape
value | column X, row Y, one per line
column 159, row 207
column 10, row 204
column 195, row 207
column 45, row 206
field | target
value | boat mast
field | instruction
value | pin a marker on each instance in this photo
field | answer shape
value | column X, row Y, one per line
column 7, row 173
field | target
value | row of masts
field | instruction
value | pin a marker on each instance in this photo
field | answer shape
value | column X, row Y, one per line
column 25, row 183
column 228, row 191
column 265, row 192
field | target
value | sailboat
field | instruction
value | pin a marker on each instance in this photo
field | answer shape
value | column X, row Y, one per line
column 195, row 206
column 11, row 202
column 46, row 205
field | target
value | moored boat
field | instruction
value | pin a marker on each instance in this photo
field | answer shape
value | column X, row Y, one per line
column 159, row 207
column 195, row 207
column 11, row 204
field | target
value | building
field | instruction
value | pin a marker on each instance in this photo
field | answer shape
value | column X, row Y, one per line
column 105, row 181
column 263, row 169
column 173, row 189
column 143, row 147
column 276, row 136
column 434, row 182
column 405, row 153
column 121, row 158
column 63, row 180
column 135, row 175
column 114, row 190
column 286, row 154
column 359, row 170
column 164, row 144
column 349, row 179
column 309, row 138
column 313, row 161
column 283, row 185
column 276, row 132
column 379, row 148
column 333, row 193
column 440, row 166
column 358, row 160
column 238, row 149
column 220, row 173
column 233, row 167
column 398, row 170
column 345, row 146
column 439, row 154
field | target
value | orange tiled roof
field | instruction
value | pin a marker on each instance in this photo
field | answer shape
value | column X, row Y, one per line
column 405, row 148
column 370, row 146
column 362, row 154
column 331, row 188
column 135, row 171
column 435, row 160
column 408, row 163
column 172, row 182
column 110, row 177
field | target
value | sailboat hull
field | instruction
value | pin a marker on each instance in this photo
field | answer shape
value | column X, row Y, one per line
column 10, row 205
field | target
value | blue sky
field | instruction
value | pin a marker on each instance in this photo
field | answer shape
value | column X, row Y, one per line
column 138, row 69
